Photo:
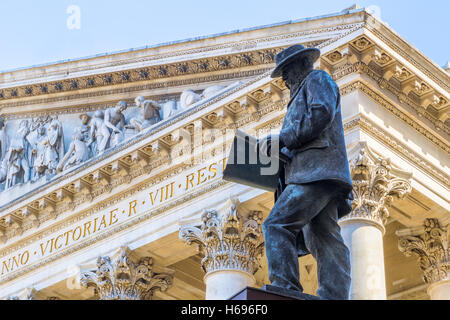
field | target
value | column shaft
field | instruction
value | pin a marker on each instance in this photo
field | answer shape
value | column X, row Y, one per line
column 223, row 284
column 365, row 242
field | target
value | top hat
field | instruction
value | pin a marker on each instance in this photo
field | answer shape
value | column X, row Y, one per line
column 290, row 54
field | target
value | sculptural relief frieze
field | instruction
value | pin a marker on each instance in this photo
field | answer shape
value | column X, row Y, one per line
column 36, row 150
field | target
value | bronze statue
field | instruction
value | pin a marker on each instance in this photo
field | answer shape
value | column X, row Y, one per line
column 315, row 185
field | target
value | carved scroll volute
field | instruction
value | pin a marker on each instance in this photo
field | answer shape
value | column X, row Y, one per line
column 228, row 240
column 430, row 243
column 375, row 184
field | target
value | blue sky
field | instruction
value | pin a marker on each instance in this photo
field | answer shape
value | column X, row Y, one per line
column 35, row 31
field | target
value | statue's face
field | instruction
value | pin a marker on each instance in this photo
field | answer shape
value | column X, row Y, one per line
column 288, row 75
column 139, row 101
column 296, row 71
column 120, row 107
column 84, row 119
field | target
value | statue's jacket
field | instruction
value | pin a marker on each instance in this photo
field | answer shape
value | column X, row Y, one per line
column 312, row 134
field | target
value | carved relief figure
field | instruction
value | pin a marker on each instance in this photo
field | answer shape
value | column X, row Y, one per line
column 85, row 130
column 54, row 146
column 211, row 91
column 3, row 139
column 99, row 133
column 115, row 121
column 189, row 97
column 78, row 152
column 170, row 109
column 16, row 163
column 150, row 113
column 38, row 155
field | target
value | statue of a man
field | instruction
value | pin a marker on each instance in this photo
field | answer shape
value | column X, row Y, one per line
column 99, row 133
column 16, row 162
column 150, row 113
column 85, row 128
column 38, row 154
column 115, row 121
column 315, row 186
column 54, row 146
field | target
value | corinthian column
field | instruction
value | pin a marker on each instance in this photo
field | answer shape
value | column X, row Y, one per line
column 375, row 183
column 430, row 244
column 122, row 278
column 232, row 241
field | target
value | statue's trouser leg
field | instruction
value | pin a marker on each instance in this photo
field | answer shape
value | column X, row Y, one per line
column 323, row 239
column 296, row 206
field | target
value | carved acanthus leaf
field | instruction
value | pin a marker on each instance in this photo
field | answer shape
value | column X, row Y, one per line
column 374, row 186
column 229, row 240
column 430, row 245
column 124, row 279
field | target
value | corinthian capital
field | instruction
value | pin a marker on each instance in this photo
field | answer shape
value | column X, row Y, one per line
column 230, row 238
column 375, row 184
column 121, row 278
column 430, row 244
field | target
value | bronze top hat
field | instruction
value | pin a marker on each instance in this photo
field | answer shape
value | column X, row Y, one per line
column 289, row 54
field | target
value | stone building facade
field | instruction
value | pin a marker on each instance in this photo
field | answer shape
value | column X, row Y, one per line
column 111, row 166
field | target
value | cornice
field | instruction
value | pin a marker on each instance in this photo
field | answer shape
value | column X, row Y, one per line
column 408, row 52
column 366, row 54
column 112, row 91
column 231, row 61
column 146, row 56
column 382, row 101
column 401, row 149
